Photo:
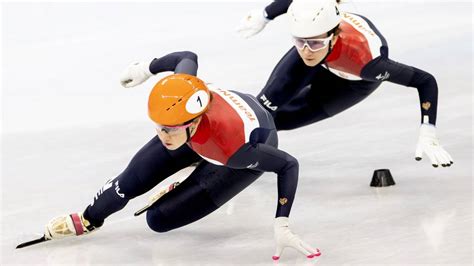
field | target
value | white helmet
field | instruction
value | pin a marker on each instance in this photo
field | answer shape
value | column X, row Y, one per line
column 309, row 18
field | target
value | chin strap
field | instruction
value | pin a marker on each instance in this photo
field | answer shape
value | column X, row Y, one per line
column 188, row 134
column 329, row 52
column 333, row 31
column 326, row 56
column 323, row 61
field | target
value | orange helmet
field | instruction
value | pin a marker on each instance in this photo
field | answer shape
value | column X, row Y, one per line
column 177, row 99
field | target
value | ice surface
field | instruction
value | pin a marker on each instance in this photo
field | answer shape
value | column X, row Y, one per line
column 68, row 126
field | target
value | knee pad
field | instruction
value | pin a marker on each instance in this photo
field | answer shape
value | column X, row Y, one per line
column 183, row 205
column 157, row 221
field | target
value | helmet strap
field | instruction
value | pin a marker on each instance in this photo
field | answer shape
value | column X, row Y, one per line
column 188, row 134
column 329, row 52
column 333, row 31
column 330, row 48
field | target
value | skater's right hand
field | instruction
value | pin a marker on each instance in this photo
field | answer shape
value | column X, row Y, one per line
column 135, row 74
column 252, row 23
column 285, row 238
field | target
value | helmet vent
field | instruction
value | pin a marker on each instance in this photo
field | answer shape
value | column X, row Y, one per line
column 173, row 105
column 319, row 12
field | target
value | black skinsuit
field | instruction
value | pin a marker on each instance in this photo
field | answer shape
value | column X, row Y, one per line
column 210, row 185
column 298, row 95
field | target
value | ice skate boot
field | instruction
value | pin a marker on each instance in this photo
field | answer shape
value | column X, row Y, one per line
column 68, row 225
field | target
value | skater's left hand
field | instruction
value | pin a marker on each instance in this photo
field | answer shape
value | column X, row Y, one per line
column 252, row 23
column 428, row 144
column 285, row 238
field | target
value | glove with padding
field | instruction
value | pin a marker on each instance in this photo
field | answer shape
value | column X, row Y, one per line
column 285, row 238
column 252, row 24
column 428, row 144
column 135, row 74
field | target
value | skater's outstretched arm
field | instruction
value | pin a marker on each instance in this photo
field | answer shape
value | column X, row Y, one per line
column 267, row 158
column 185, row 62
column 386, row 69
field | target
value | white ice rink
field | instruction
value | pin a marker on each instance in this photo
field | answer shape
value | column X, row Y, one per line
column 68, row 126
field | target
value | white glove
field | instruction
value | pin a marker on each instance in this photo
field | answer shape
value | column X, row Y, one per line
column 252, row 24
column 428, row 144
column 285, row 238
column 135, row 74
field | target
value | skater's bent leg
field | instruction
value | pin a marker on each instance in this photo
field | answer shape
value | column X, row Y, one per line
column 185, row 204
column 151, row 165
column 208, row 188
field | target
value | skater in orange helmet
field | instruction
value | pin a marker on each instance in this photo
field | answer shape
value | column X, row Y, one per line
column 228, row 134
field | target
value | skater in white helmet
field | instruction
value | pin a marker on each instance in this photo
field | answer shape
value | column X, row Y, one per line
column 229, row 134
column 338, row 59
